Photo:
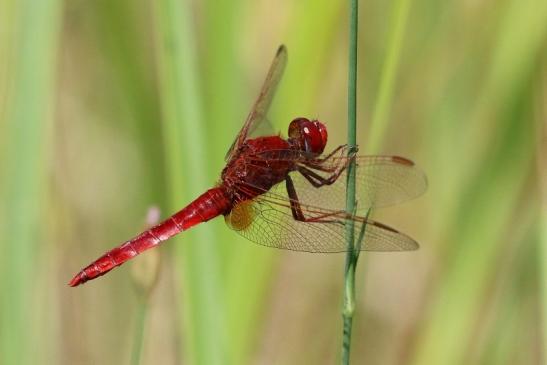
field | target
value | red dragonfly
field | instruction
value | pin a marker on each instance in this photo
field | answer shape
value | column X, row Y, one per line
column 285, row 193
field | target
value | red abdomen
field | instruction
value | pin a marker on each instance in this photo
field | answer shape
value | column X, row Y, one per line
column 212, row 203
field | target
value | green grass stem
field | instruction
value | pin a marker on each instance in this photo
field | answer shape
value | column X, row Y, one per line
column 352, row 254
column 542, row 227
column 138, row 334
column 543, row 272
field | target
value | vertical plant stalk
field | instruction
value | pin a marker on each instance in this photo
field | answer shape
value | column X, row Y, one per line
column 138, row 338
column 352, row 254
column 145, row 276
column 543, row 268
column 542, row 160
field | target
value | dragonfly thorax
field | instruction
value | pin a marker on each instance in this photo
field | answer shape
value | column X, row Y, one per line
column 256, row 166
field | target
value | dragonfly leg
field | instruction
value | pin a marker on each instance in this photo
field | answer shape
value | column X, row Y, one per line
column 335, row 166
column 317, row 180
column 296, row 209
column 321, row 160
column 297, row 212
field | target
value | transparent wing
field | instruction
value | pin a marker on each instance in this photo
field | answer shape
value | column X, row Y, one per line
column 262, row 103
column 381, row 181
column 269, row 220
column 271, row 224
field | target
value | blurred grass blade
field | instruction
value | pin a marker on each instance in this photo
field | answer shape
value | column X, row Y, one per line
column 516, row 306
column 144, row 274
column 543, row 274
column 542, row 169
column 384, row 101
column 24, row 155
column 124, row 41
column 228, row 99
column 298, row 94
column 492, row 190
column 188, row 176
column 138, row 335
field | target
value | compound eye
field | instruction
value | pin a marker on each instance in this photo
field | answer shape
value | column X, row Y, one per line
column 313, row 139
column 309, row 135
column 296, row 126
column 323, row 131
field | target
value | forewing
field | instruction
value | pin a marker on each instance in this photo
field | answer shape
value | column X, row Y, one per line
column 271, row 224
column 260, row 108
column 381, row 181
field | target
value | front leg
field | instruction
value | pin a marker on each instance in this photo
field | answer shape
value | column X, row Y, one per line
column 317, row 180
column 330, row 163
column 321, row 160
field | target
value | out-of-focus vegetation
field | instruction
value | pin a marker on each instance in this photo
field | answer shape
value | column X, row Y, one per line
column 110, row 107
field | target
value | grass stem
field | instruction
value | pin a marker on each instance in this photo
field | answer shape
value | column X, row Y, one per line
column 352, row 255
column 138, row 339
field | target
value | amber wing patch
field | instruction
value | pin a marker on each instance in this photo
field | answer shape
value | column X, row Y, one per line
column 241, row 216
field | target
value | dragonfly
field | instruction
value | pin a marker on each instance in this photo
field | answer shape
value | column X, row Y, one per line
column 287, row 193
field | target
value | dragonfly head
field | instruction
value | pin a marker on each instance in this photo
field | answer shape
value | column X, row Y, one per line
column 307, row 135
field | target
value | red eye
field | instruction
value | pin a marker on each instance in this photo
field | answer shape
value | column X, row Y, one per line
column 323, row 131
column 310, row 136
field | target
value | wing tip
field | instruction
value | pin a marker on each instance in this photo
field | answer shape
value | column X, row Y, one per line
column 384, row 226
column 406, row 162
column 402, row 161
column 409, row 245
column 415, row 246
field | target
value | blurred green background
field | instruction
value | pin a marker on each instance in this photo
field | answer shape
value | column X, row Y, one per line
column 110, row 107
